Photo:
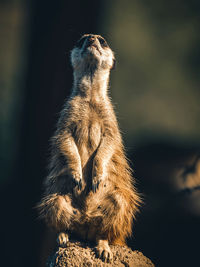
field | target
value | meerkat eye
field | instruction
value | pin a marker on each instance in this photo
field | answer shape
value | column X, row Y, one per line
column 80, row 42
column 103, row 42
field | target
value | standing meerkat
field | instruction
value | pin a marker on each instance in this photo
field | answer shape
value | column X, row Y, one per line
column 89, row 190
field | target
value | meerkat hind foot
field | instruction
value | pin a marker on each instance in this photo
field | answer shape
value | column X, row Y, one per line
column 62, row 239
column 103, row 251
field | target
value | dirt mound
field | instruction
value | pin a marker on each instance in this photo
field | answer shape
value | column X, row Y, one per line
column 78, row 254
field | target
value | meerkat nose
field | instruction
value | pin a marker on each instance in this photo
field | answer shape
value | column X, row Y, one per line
column 91, row 40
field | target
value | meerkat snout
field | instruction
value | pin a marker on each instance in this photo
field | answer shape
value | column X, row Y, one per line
column 92, row 51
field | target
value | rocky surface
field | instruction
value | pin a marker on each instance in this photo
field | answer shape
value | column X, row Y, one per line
column 83, row 255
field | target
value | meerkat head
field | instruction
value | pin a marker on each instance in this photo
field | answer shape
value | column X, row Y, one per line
column 92, row 52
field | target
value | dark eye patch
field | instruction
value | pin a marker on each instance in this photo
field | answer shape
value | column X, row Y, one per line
column 103, row 42
column 80, row 42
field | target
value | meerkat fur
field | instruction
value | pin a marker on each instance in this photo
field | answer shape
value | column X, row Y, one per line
column 90, row 190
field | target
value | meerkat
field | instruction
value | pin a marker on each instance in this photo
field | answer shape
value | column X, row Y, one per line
column 90, row 190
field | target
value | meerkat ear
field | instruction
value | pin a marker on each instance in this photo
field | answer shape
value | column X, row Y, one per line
column 114, row 64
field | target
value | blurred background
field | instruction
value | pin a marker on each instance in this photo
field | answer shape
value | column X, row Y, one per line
column 155, row 90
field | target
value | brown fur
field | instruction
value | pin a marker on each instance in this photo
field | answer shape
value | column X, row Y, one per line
column 89, row 189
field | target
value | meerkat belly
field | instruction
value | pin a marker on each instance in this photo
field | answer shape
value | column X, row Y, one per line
column 94, row 135
column 88, row 139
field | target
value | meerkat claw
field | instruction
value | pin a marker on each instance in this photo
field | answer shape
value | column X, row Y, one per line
column 95, row 185
column 104, row 253
column 106, row 256
column 77, row 181
column 80, row 185
column 62, row 239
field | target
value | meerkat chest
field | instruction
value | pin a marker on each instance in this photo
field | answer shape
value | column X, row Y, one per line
column 88, row 131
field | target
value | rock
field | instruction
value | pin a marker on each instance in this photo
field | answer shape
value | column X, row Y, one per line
column 79, row 254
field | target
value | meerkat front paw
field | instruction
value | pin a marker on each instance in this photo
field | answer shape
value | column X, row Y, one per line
column 98, row 175
column 62, row 239
column 103, row 251
column 96, row 180
column 77, row 180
